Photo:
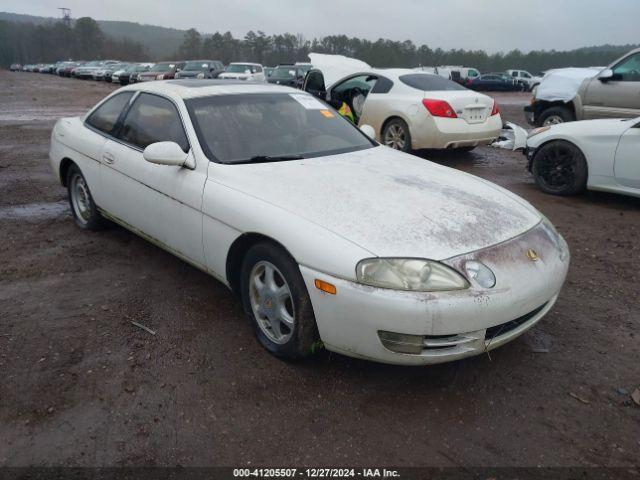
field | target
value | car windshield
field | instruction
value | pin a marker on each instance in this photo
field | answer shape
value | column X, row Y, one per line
column 284, row 72
column 162, row 67
column 258, row 127
column 237, row 68
column 429, row 83
column 197, row 66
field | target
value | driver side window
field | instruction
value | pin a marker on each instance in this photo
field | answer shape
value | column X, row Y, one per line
column 628, row 70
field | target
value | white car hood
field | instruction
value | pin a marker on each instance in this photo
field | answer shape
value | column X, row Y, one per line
column 389, row 203
column 563, row 84
column 336, row 67
column 234, row 75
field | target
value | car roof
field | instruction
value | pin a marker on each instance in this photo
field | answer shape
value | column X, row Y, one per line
column 189, row 88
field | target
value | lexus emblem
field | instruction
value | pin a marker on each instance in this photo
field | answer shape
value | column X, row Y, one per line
column 532, row 255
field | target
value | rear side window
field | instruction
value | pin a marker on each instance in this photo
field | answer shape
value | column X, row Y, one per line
column 429, row 83
column 153, row 119
column 105, row 117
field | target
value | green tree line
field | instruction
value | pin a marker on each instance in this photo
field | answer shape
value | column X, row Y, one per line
column 29, row 43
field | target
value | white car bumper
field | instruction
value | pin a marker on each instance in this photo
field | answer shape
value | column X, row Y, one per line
column 434, row 132
column 454, row 325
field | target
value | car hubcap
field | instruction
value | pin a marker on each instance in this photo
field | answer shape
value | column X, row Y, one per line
column 557, row 168
column 395, row 137
column 553, row 120
column 271, row 302
column 80, row 198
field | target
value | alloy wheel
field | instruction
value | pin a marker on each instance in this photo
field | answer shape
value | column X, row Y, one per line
column 395, row 137
column 271, row 302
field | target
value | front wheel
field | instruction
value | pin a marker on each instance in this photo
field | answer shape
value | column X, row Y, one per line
column 277, row 303
column 559, row 168
column 84, row 210
column 554, row 116
column 396, row 135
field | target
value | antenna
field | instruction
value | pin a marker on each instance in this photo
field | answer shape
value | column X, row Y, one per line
column 66, row 15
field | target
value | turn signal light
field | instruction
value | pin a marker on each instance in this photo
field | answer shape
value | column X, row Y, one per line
column 439, row 108
column 496, row 109
column 325, row 286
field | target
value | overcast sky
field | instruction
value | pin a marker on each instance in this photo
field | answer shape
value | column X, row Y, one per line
column 492, row 25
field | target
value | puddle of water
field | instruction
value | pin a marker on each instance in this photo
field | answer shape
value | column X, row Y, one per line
column 35, row 211
column 39, row 114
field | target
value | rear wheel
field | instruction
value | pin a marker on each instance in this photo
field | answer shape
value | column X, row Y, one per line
column 83, row 209
column 560, row 168
column 554, row 116
column 396, row 135
column 277, row 303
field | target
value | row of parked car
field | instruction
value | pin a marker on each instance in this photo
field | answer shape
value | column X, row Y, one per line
column 131, row 72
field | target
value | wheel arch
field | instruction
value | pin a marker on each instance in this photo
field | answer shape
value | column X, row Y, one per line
column 65, row 165
column 239, row 249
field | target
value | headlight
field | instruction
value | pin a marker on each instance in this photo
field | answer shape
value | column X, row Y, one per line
column 480, row 273
column 537, row 131
column 412, row 274
column 556, row 238
column 200, row 75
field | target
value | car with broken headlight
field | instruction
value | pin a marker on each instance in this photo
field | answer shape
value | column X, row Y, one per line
column 408, row 109
column 569, row 158
column 324, row 234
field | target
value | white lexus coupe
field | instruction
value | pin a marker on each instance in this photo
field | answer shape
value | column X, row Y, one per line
column 325, row 234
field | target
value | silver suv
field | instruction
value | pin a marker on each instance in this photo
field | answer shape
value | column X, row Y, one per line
column 613, row 93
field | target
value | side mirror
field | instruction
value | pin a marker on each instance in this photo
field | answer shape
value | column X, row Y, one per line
column 605, row 75
column 368, row 131
column 165, row 153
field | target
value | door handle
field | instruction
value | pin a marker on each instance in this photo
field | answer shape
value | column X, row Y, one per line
column 108, row 157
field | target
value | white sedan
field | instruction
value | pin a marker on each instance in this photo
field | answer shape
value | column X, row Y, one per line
column 568, row 158
column 324, row 234
column 407, row 109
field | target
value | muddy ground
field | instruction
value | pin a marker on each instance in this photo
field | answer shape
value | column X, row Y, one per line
column 82, row 386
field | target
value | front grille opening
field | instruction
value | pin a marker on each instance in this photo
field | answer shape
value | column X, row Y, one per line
column 505, row 328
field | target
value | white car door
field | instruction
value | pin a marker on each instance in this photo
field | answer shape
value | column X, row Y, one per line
column 162, row 202
column 627, row 162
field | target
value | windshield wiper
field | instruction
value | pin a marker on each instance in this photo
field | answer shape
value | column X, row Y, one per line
column 270, row 158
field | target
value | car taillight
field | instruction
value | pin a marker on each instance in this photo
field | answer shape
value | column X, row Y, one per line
column 496, row 109
column 439, row 108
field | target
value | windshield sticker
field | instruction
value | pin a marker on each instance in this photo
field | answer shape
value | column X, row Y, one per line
column 307, row 101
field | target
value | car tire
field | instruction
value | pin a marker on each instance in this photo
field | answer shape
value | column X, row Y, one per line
column 560, row 168
column 277, row 303
column 396, row 135
column 83, row 208
column 555, row 115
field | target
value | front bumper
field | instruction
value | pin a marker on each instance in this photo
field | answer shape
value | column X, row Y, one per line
column 455, row 324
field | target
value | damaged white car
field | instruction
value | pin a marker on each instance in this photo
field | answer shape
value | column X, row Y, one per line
column 408, row 110
column 325, row 234
column 602, row 155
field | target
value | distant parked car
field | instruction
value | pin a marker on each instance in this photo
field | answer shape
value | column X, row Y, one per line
column 88, row 69
column 67, row 71
column 583, row 94
column 495, row 82
column 244, row 71
column 129, row 75
column 268, row 71
column 460, row 74
column 407, row 110
column 61, row 66
column 524, row 77
column 15, row 67
column 568, row 158
column 161, row 71
column 201, row 69
column 288, row 75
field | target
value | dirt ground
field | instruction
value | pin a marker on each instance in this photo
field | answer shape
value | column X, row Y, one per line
column 82, row 386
